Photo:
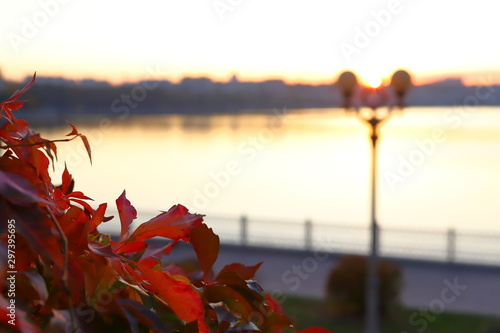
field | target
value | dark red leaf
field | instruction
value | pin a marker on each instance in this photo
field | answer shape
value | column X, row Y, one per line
column 66, row 180
column 34, row 284
column 278, row 321
column 315, row 330
column 137, row 312
column 246, row 272
column 127, row 215
column 206, row 244
column 74, row 131
column 231, row 297
column 18, row 190
column 273, row 304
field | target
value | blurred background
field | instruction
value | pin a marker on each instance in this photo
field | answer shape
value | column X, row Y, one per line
column 233, row 109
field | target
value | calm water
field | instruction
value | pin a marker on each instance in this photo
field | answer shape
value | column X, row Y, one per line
column 438, row 167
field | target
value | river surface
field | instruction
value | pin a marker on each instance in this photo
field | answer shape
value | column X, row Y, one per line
column 438, row 167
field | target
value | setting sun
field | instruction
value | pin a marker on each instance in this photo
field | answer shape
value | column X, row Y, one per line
column 374, row 82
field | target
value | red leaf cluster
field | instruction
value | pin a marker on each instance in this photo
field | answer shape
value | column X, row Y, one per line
column 69, row 277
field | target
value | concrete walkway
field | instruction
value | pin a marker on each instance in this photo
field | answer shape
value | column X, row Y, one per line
column 434, row 285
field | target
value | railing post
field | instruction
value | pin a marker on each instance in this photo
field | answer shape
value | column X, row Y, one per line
column 243, row 230
column 308, row 244
column 451, row 245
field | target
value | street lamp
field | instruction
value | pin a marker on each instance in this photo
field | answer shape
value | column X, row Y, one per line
column 373, row 98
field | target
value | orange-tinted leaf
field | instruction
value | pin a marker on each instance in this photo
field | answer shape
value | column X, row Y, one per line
column 87, row 146
column 175, row 224
column 246, row 272
column 206, row 244
column 127, row 215
column 181, row 297
column 97, row 217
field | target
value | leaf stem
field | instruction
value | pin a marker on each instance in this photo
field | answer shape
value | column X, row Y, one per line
column 65, row 266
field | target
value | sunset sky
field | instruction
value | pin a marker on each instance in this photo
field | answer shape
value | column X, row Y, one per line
column 298, row 41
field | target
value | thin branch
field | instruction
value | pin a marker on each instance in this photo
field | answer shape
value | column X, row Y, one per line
column 65, row 267
column 38, row 143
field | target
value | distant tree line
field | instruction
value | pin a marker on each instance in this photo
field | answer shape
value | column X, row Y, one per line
column 62, row 98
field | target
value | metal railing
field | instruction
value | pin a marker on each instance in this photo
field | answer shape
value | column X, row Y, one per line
column 447, row 245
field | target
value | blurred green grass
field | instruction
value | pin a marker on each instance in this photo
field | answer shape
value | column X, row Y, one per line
column 312, row 312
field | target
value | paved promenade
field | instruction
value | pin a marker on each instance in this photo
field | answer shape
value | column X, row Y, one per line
column 435, row 285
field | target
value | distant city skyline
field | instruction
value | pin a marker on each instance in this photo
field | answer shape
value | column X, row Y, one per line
column 121, row 41
column 59, row 79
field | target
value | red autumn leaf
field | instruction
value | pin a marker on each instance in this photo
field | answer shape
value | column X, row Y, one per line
column 181, row 297
column 127, row 214
column 66, row 180
column 78, row 195
column 12, row 103
column 315, row 330
column 277, row 321
column 87, row 146
column 175, row 224
column 246, row 272
column 74, row 131
column 231, row 297
column 17, row 190
column 18, row 93
column 206, row 244
column 97, row 217
column 153, row 255
column 84, row 204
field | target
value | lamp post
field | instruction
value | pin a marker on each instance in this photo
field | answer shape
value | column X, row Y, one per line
column 373, row 98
